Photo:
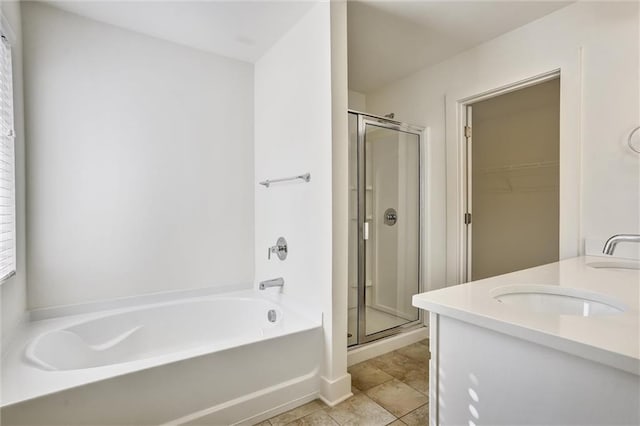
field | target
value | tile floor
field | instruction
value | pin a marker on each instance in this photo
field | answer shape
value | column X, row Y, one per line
column 388, row 390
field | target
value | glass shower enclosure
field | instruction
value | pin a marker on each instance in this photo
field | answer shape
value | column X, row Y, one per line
column 385, row 226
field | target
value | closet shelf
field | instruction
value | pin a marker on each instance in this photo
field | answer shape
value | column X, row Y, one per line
column 519, row 189
column 517, row 167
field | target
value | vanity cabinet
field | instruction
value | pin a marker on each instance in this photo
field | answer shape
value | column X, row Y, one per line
column 541, row 361
column 482, row 377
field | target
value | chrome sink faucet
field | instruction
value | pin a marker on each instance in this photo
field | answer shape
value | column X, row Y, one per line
column 610, row 245
column 276, row 282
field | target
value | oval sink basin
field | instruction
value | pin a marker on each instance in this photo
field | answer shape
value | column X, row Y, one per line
column 557, row 300
column 622, row 264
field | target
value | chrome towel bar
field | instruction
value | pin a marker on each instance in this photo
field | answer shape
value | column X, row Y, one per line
column 305, row 177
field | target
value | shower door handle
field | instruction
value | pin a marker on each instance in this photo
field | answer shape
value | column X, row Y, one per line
column 365, row 231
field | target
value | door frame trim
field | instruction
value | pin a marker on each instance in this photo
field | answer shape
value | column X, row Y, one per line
column 462, row 239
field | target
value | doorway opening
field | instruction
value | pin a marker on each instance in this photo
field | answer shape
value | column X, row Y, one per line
column 512, row 157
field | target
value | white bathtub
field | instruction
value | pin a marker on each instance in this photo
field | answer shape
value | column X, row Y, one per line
column 217, row 359
column 150, row 332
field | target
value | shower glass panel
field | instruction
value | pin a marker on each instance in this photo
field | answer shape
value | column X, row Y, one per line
column 384, row 232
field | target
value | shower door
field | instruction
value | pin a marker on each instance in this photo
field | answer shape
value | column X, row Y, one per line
column 384, row 264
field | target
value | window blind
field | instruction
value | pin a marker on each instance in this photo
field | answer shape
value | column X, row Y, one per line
column 7, row 165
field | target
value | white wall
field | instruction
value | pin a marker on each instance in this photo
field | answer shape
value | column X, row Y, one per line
column 338, row 387
column 293, row 135
column 13, row 292
column 595, row 45
column 140, row 163
column 357, row 101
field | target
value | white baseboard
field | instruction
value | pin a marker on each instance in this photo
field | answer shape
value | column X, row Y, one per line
column 257, row 406
column 267, row 414
column 333, row 392
column 383, row 346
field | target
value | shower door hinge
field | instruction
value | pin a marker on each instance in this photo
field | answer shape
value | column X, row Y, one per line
column 467, row 132
column 467, row 218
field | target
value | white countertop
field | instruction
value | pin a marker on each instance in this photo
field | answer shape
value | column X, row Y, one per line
column 613, row 340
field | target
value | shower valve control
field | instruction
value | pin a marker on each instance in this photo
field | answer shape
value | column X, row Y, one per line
column 390, row 217
column 281, row 249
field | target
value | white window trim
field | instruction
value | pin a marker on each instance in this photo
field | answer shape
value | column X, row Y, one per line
column 6, row 30
column 7, row 38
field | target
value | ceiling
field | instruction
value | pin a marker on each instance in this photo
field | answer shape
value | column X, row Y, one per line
column 242, row 30
column 389, row 40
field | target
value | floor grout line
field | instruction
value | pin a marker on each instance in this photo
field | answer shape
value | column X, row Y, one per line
column 410, row 364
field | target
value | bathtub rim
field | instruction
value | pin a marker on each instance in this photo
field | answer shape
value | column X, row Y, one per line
column 96, row 306
column 14, row 365
column 29, row 353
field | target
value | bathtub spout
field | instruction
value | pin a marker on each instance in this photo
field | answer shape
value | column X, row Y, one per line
column 276, row 282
